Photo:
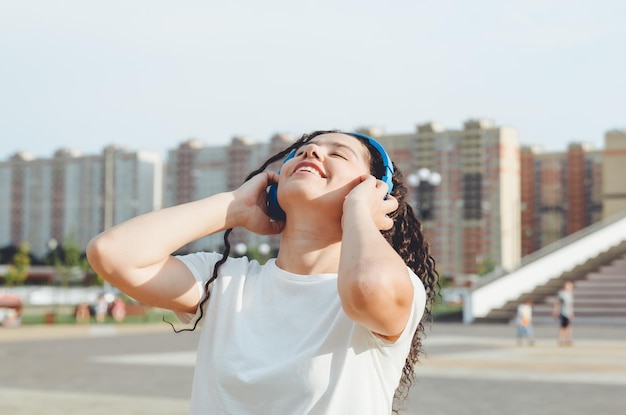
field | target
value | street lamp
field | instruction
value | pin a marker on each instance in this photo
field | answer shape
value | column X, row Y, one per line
column 264, row 249
column 52, row 250
column 424, row 182
column 241, row 249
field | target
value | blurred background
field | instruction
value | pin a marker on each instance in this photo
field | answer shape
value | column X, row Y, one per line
column 505, row 117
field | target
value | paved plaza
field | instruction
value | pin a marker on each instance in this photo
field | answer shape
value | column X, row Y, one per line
column 468, row 369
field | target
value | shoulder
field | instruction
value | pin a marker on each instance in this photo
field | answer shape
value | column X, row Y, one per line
column 419, row 291
column 417, row 310
column 199, row 263
column 202, row 264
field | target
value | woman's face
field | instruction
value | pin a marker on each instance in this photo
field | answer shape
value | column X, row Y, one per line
column 326, row 169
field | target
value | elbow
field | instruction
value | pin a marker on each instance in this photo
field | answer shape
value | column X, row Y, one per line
column 93, row 252
column 379, row 312
column 98, row 256
column 382, row 302
column 367, row 284
column 363, row 298
column 353, row 299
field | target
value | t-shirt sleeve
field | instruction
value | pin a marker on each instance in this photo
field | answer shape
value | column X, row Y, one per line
column 201, row 265
column 417, row 312
column 418, row 309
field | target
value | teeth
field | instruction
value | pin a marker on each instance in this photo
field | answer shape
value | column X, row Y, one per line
column 310, row 170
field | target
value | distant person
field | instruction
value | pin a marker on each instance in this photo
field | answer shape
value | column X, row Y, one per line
column 564, row 311
column 101, row 309
column 524, row 323
column 82, row 313
column 118, row 310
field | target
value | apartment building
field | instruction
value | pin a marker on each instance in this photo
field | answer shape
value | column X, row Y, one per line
column 492, row 203
column 194, row 171
column 561, row 193
column 48, row 200
column 471, row 216
column 614, row 172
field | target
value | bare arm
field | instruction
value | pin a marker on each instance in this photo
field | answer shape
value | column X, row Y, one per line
column 135, row 256
column 374, row 283
column 555, row 309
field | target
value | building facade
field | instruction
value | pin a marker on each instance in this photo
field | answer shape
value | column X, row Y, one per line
column 471, row 216
column 614, row 172
column 561, row 193
column 195, row 171
column 492, row 202
column 72, row 196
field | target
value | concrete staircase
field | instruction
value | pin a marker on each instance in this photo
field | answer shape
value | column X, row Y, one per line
column 600, row 297
column 599, row 293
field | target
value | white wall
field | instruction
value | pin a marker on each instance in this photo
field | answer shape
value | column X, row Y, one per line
column 577, row 249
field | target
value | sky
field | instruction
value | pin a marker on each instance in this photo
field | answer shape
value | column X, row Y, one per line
column 150, row 74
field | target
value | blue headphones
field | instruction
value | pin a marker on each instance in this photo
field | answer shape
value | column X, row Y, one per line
column 278, row 214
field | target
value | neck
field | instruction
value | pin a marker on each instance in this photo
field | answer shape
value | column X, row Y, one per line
column 308, row 248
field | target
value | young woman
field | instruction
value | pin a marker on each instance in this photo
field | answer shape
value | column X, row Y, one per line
column 333, row 325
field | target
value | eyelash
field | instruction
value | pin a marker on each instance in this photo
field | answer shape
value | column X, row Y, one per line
column 299, row 153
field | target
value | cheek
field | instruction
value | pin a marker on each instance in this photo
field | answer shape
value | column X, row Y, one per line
column 351, row 184
column 355, row 182
column 353, row 177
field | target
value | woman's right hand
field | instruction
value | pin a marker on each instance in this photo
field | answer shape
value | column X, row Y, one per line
column 135, row 256
column 250, row 205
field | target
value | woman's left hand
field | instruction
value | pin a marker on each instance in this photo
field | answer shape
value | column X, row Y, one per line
column 372, row 193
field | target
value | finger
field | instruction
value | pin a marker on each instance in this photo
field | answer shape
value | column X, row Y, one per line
column 382, row 185
column 366, row 177
column 272, row 177
column 387, row 224
column 275, row 227
column 391, row 203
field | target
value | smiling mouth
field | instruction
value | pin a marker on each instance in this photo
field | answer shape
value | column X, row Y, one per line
column 308, row 169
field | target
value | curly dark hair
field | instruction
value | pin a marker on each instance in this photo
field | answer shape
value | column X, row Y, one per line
column 406, row 237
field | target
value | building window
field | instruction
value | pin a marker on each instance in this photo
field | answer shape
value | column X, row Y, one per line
column 472, row 196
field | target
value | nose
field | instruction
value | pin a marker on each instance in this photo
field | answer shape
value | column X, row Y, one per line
column 313, row 151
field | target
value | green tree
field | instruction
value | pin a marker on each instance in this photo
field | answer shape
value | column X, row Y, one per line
column 69, row 262
column 19, row 266
column 486, row 266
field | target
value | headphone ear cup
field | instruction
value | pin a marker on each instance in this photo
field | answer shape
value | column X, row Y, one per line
column 274, row 210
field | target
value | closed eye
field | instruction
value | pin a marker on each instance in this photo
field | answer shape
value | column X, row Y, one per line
column 339, row 155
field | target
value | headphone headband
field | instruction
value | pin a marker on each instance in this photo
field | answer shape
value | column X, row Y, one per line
column 277, row 213
column 388, row 175
column 387, row 164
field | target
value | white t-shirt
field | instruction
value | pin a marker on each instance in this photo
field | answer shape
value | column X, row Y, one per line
column 274, row 342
